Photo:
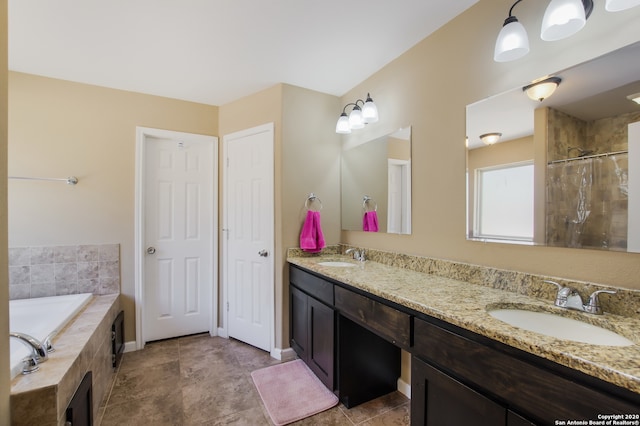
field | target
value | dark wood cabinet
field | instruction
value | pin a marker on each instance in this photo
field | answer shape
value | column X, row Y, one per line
column 437, row 399
column 298, row 322
column 351, row 339
column 312, row 331
column 356, row 359
column 385, row 321
column 526, row 387
column 80, row 410
column 321, row 356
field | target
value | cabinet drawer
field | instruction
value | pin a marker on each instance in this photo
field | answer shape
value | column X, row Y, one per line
column 388, row 322
column 529, row 388
column 312, row 285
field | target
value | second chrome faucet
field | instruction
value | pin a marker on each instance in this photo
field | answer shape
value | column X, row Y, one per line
column 569, row 298
column 357, row 254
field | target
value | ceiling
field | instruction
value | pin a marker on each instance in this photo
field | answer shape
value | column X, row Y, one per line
column 590, row 91
column 216, row 51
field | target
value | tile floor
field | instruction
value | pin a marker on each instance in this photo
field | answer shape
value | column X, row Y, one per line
column 203, row 380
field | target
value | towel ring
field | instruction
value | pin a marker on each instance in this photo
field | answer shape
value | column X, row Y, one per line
column 366, row 204
column 310, row 199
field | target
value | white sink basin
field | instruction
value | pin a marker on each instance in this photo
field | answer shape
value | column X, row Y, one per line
column 560, row 327
column 337, row 264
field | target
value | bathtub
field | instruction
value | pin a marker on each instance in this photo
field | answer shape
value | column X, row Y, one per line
column 39, row 318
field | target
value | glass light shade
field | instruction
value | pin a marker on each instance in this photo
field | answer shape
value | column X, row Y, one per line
column 512, row 42
column 543, row 89
column 634, row 98
column 356, row 120
column 490, row 138
column 563, row 18
column 343, row 124
column 369, row 111
column 618, row 5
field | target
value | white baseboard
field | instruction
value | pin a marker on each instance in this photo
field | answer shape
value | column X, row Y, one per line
column 287, row 354
column 222, row 332
column 404, row 388
column 130, row 346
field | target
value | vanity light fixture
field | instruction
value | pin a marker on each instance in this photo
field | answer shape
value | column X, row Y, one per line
column 358, row 116
column 490, row 138
column 541, row 90
column 618, row 5
column 562, row 18
column 634, row 98
column 513, row 42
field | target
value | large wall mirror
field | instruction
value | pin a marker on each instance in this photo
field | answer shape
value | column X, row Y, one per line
column 376, row 184
column 565, row 170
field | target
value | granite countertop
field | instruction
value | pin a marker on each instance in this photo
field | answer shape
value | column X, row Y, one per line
column 465, row 305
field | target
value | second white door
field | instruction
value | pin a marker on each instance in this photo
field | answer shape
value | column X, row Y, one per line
column 249, row 229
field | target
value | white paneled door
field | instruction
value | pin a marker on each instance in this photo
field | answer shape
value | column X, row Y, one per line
column 178, row 236
column 249, row 240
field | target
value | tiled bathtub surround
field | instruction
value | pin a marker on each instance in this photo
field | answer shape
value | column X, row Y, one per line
column 625, row 302
column 60, row 270
column 83, row 345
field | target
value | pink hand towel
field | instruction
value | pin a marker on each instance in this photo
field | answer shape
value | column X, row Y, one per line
column 370, row 221
column 320, row 243
column 311, row 237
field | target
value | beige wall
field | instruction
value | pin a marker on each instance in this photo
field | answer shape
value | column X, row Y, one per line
column 310, row 163
column 59, row 128
column 307, row 159
column 4, row 278
column 428, row 88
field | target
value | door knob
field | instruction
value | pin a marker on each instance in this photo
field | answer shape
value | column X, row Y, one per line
column 151, row 250
column 263, row 253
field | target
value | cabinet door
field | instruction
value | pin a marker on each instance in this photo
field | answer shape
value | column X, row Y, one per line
column 80, row 410
column 321, row 341
column 298, row 326
column 438, row 399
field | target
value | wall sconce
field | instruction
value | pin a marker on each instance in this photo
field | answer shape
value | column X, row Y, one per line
column 358, row 116
column 490, row 138
column 562, row 18
column 634, row 98
column 618, row 5
column 541, row 90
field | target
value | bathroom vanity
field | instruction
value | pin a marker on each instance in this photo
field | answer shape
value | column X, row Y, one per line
column 349, row 324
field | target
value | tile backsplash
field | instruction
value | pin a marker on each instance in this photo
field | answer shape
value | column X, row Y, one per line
column 59, row 270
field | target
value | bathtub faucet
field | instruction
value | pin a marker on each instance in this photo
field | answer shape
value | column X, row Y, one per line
column 38, row 352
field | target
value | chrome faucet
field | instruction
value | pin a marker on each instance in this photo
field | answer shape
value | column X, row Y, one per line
column 569, row 298
column 38, row 352
column 357, row 254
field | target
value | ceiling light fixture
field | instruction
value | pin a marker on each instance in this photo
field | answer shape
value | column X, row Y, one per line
column 541, row 90
column 490, row 138
column 634, row 98
column 358, row 116
column 618, row 5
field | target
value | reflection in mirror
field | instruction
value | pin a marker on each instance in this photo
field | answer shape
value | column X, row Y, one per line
column 566, row 171
column 376, row 184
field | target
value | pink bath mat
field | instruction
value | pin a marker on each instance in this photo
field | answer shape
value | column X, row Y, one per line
column 290, row 392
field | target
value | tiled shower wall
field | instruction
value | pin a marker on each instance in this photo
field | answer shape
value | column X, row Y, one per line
column 587, row 199
column 60, row 270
